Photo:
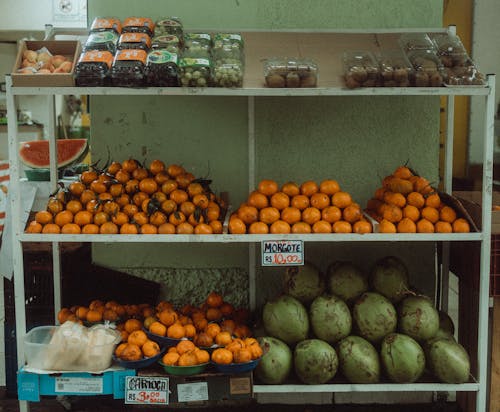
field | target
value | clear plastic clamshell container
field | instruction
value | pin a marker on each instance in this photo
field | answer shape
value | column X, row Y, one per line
column 290, row 72
column 416, row 41
column 168, row 42
column 102, row 40
column 428, row 68
column 195, row 72
column 228, row 48
column 168, row 25
column 464, row 76
column 105, row 24
column 450, row 50
column 162, row 69
column 92, row 68
column 197, row 45
column 360, row 69
column 138, row 25
column 395, row 69
column 134, row 41
column 228, row 75
column 128, row 68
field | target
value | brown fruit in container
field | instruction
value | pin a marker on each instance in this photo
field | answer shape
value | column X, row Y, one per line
column 275, row 80
column 150, row 349
column 242, row 356
column 158, row 328
column 176, row 331
column 222, row 356
column 131, row 353
column 30, row 55
column 185, row 346
column 137, row 337
column 171, row 358
column 43, row 57
column 57, row 60
column 203, row 340
column 66, row 67
column 26, row 63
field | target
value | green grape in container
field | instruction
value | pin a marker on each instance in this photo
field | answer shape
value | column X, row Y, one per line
column 195, row 72
column 168, row 25
column 197, row 45
column 168, row 42
column 228, row 47
column 228, row 75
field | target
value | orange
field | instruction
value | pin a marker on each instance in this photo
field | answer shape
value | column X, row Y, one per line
column 256, row 351
column 267, row 187
column 122, row 176
column 311, row 215
column 223, row 338
column 176, row 331
column 139, row 218
column 447, row 214
column 248, row 214
column 227, row 325
column 362, row 226
column 119, row 218
column 113, row 168
column 150, row 349
column 222, row 356
column 195, row 218
column 380, row 193
column 161, row 178
column 291, row 189
column 216, row 226
column 54, row 205
column 184, row 180
column 81, row 312
column 257, row 200
column 403, row 172
column 187, row 207
column 179, row 196
column 308, row 188
column 74, row 206
column 341, row 199
column 137, row 337
column 169, row 206
column 131, row 353
column 108, row 228
column 168, row 316
column 70, row 229
column 203, row 340
column 236, row 345
column 100, row 218
column 352, row 213
column 280, row 226
column 406, row 225
column 119, row 349
column 177, row 218
column 461, row 226
column 83, row 217
column 93, row 206
column 188, row 359
column 189, row 330
column 421, row 185
column 76, row 188
column 242, row 356
column 51, row 228
column 166, row 229
column 269, row 215
column 322, row 226
column 443, row 227
column 129, row 229
column 202, row 356
column 320, row 200
column 201, row 201
column 411, row 212
column 90, row 229
column 386, row 226
column 158, row 328
column 185, row 346
column 280, row 200
column 170, row 358
column 88, row 176
column 94, row 316
column 158, row 218
column 63, row 217
column 160, row 197
column 392, row 213
column 213, row 314
column 329, row 187
column 111, row 208
column 212, row 213
column 175, row 170
column 203, row 229
column 300, row 202
column 331, row 214
column 242, row 331
column 130, row 165
column 259, row 228
column 147, row 185
column 237, row 226
column 132, row 325
column 396, row 199
column 291, row 215
column 415, row 199
column 433, row 200
column 184, row 228
column 34, row 227
column 342, row 226
column 140, row 198
column 110, row 315
column 98, row 186
column 212, row 330
column 425, row 226
column 156, row 166
column 430, row 214
column 194, row 189
column 301, row 227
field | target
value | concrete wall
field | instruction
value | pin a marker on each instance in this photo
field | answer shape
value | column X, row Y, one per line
column 355, row 140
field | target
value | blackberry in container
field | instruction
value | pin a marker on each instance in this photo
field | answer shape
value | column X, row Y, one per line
column 128, row 68
column 197, row 45
column 134, row 41
column 161, row 69
column 195, row 72
column 428, row 68
column 102, row 40
column 168, row 25
column 279, row 72
column 169, row 42
column 360, row 69
column 92, row 68
column 106, row 24
column 138, row 25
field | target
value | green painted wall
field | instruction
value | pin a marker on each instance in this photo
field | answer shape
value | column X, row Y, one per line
column 355, row 140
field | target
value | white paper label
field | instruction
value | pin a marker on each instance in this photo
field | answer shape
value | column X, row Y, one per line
column 80, row 385
column 282, row 252
column 190, row 392
column 146, row 390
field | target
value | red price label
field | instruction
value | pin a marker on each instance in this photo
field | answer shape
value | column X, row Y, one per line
column 146, row 390
column 282, row 253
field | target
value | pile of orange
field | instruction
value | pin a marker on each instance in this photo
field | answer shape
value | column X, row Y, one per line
column 406, row 203
column 185, row 353
column 237, row 351
column 127, row 198
column 137, row 347
column 293, row 208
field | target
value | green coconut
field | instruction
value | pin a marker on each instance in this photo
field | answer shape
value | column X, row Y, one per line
column 304, row 283
column 402, row 357
column 359, row 361
column 418, row 317
column 389, row 277
column 286, row 319
column 330, row 318
column 276, row 363
column 315, row 361
column 448, row 361
column 446, row 323
column 346, row 281
column 374, row 316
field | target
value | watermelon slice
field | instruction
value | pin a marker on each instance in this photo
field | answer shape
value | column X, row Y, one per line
column 35, row 153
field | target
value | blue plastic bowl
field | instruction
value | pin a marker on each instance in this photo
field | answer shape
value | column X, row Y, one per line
column 184, row 370
column 163, row 341
column 138, row 364
column 236, row 367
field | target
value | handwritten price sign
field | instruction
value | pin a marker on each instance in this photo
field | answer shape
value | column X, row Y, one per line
column 144, row 390
column 282, row 252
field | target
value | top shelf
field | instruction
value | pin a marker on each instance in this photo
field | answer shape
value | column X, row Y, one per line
column 325, row 49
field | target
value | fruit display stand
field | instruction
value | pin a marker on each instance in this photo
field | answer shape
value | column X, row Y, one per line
column 330, row 84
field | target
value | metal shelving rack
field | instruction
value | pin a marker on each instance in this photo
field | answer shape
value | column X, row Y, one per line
column 18, row 237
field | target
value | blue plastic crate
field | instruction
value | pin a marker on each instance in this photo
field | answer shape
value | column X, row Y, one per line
column 30, row 386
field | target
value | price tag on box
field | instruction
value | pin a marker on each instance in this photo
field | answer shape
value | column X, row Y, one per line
column 145, row 390
column 282, row 252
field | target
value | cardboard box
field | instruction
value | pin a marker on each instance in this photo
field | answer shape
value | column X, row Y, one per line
column 69, row 48
column 472, row 201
